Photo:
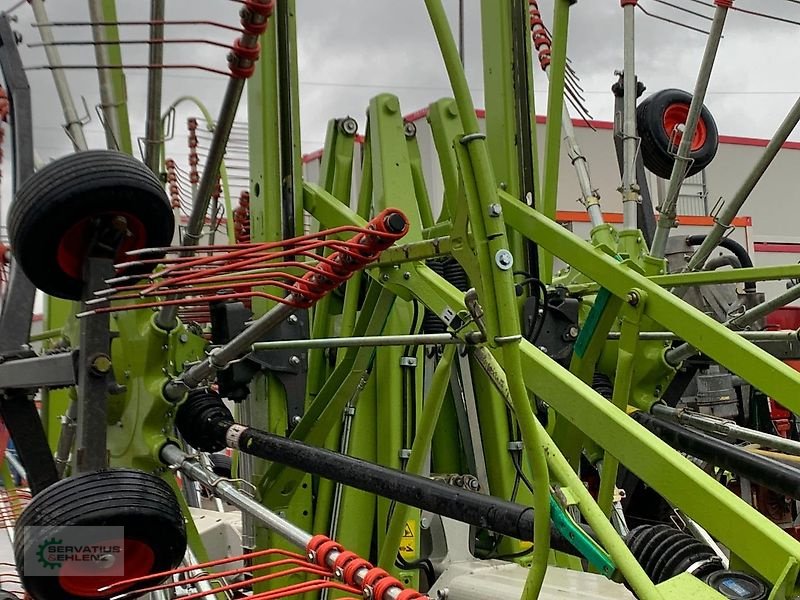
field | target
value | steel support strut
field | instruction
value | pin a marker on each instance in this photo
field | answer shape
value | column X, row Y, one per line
column 629, row 190
column 74, row 125
column 682, row 164
column 16, row 407
column 155, row 84
column 722, row 223
column 240, row 67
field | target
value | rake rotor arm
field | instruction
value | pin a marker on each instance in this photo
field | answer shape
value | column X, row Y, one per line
column 384, row 229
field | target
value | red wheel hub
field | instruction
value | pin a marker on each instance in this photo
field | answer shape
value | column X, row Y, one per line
column 86, row 579
column 74, row 244
column 675, row 118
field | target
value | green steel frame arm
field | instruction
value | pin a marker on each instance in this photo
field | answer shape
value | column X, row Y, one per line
column 555, row 111
column 761, row 544
column 764, row 371
column 771, row 273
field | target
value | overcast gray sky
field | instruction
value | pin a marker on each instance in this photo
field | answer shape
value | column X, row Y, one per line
column 351, row 50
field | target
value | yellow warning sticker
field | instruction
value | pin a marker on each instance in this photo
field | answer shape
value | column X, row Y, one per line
column 408, row 543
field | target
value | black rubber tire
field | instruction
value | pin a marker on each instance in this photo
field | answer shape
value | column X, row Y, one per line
column 222, row 464
column 655, row 140
column 63, row 194
column 142, row 503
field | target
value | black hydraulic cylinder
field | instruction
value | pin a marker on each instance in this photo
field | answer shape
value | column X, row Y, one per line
column 762, row 470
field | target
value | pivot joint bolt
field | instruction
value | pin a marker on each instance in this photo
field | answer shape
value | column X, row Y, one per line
column 100, row 364
column 504, row 259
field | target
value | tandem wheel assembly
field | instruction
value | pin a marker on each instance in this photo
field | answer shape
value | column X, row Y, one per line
column 139, row 504
column 59, row 213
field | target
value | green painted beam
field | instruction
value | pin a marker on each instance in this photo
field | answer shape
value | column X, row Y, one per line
column 772, row 273
column 756, row 366
column 555, row 111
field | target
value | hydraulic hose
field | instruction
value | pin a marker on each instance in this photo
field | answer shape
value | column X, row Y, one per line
column 739, row 251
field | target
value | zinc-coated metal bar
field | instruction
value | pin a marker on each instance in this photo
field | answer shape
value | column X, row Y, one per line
column 590, row 196
column 155, row 85
column 66, row 438
column 221, row 357
column 14, row 463
column 474, row 448
column 677, row 355
column 176, row 458
column 208, row 180
column 630, row 194
column 73, row 126
column 727, row 428
column 246, row 471
column 429, row 339
column 203, row 586
column 668, row 206
column 723, row 221
column 786, row 335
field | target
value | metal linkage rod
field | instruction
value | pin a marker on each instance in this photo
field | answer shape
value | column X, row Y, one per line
column 191, row 468
column 242, row 65
column 629, row 189
column 433, row 339
column 726, row 428
column 677, row 355
column 155, row 85
column 668, row 207
column 590, row 197
column 785, row 335
column 73, row 126
column 221, row 357
column 722, row 223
